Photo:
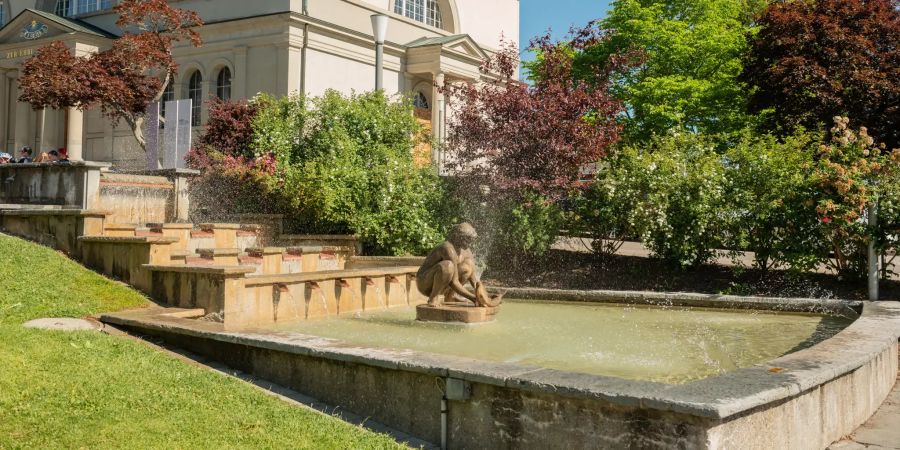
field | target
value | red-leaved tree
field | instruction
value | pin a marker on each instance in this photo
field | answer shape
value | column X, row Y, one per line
column 121, row 80
column 813, row 60
column 519, row 138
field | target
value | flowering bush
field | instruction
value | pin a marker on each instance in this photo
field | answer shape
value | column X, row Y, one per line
column 671, row 196
column 851, row 174
column 682, row 185
column 603, row 210
column 331, row 164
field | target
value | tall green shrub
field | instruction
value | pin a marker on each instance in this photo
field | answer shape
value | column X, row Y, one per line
column 768, row 209
column 678, row 189
column 345, row 166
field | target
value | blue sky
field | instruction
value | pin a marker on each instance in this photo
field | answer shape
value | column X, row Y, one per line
column 535, row 16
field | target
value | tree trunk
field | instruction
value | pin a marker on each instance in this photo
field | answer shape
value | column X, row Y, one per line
column 137, row 128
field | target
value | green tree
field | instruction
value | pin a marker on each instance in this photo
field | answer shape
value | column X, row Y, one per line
column 688, row 56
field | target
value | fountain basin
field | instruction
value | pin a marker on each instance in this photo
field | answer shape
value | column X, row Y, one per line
column 805, row 399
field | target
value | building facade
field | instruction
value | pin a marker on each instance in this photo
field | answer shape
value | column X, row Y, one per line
column 274, row 46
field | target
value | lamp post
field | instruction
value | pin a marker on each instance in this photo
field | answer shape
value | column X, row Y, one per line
column 379, row 29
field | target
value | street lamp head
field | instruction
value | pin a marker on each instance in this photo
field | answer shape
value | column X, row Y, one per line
column 379, row 27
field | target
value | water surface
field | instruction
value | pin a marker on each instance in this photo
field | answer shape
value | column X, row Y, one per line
column 670, row 345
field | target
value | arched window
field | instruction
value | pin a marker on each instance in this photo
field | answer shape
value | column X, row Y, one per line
column 421, row 101
column 195, row 93
column 168, row 96
column 425, row 11
column 223, row 84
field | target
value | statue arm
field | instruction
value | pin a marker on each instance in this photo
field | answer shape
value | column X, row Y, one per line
column 460, row 289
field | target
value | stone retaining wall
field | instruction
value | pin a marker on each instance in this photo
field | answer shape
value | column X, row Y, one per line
column 804, row 400
column 74, row 185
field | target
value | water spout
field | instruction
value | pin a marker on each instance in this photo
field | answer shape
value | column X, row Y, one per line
column 283, row 289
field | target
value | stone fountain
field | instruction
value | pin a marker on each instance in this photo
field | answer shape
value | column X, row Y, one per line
column 443, row 278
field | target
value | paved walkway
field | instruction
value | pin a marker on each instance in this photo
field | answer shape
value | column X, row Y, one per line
column 882, row 431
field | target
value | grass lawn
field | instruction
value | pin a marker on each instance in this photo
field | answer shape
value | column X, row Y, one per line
column 90, row 390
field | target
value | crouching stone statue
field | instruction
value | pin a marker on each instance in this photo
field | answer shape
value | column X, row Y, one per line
column 449, row 267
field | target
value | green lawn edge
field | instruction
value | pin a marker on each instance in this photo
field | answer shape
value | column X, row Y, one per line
column 92, row 390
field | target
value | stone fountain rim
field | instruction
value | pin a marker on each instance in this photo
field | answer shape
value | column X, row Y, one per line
column 721, row 397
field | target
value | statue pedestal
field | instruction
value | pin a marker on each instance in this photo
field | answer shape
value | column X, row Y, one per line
column 455, row 313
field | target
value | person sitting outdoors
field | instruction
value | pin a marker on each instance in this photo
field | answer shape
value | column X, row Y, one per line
column 6, row 158
column 44, row 157
column 26, row 153
column 63, row 156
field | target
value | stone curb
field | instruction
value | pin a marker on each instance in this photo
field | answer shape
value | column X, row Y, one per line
column 720, row 397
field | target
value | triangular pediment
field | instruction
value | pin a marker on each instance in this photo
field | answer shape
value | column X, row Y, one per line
column 468, row 47
column 35, row 26
column 459, row 43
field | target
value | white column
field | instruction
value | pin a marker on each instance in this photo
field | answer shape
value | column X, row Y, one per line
column 288, row 69
column 437, row 117
column 9, row 108
column 23, row 117
column 207, row 89
column 4, row 112
column 239, row 77
column 75, row 133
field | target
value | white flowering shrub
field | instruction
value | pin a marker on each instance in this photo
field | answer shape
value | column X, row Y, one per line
column 677, row 191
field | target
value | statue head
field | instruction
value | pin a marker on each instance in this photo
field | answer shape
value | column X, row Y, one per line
column 463, row 235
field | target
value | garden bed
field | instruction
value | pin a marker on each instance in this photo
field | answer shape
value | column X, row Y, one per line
column 561, row 269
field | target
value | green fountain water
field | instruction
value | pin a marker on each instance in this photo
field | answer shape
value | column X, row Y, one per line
column 670, row 345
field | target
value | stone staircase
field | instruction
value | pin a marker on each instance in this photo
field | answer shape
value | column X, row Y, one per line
column 240, row 273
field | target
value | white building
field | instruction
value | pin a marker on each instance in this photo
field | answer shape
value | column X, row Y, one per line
column 252, row 46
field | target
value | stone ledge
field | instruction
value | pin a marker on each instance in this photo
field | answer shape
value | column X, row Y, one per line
column 721, row 398
column 455, row 313
column 121, row 226
column 211, row 270
column 844, row 308
column 170, row 226
column 307, row 249
column 211, row 252
column 71, row 164
column 219, row 226
column 318, row 237
column 55, row 212
column 129, row 239
column 161, row 172
column 297, row 278
column 265, row 250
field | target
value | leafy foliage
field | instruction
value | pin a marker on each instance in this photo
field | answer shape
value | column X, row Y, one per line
column 528, row 227
column 768, row 209
column 687, row 59
column 679, row 210
column 814, row 60
column 122, row 80
column 230, row 127
column 332, row 164
column 851, row 173
column 516, row 138
column 602, row 210
column 518, row 149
